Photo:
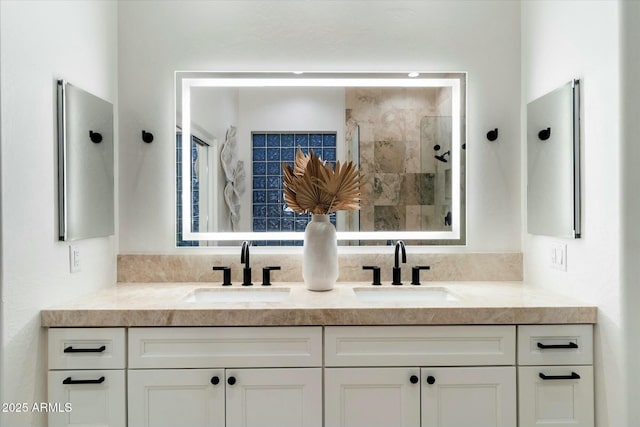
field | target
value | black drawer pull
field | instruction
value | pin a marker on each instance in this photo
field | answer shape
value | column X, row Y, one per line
column 414, row 379
column 573, row 376
column 231, row 380
column 68, row 380
column 548, row 346
column 70, row 349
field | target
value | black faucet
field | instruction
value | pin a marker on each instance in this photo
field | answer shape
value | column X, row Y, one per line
column 396, row 266
column 244, row 259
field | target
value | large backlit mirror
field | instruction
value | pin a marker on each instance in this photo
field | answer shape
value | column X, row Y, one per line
column 406, row 132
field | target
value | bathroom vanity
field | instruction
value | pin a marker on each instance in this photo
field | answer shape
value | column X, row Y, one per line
column 452, row 354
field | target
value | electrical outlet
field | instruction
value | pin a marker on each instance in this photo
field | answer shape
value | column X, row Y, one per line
column 559, row 256
column 74, row 258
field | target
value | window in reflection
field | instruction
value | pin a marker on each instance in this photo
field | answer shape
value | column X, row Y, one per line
column 198, row 150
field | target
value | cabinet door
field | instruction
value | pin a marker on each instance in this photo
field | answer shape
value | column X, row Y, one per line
column 289, row 397
column 564, row 398
column 372, row 397
column 96, row 398
column 469, row 397
column 176, row 397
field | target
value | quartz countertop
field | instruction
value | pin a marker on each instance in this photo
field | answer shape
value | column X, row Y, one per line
column 166, row 304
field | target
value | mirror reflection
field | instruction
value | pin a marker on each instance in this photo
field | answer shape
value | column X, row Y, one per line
column 234, row 131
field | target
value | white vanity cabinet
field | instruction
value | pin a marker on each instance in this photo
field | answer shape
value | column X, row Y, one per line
column 87, row 377
column 176, row 397
column 430, row 376
column 555, row 375
column 372, row 397
column 205, row 377
column 332, row 376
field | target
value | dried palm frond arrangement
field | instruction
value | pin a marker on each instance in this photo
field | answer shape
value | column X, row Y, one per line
column 314, row 186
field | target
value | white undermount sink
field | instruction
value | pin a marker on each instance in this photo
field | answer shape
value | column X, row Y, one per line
column 403, row 294
column 238, row 295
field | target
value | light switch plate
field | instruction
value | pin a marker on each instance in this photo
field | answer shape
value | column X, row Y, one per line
column 74, row 258
column 558, row 256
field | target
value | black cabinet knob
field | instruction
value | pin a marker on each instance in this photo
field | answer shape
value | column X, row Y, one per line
column 414, row 379
column 431, row 379
column 215, row 380
column 231, row 380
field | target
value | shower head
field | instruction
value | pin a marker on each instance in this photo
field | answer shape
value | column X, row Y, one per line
column 442, row 157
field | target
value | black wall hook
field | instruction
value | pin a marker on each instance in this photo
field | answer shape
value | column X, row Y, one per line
column 492, row 135
column 544, row 134
column 95, row 137
column 147, row 137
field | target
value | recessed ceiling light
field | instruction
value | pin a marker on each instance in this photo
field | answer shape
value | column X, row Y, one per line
column 298, row 72
column 413, row 74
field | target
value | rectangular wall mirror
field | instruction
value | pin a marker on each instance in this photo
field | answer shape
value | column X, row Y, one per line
column 234, row 131
column 553, row 163
column 85, row 164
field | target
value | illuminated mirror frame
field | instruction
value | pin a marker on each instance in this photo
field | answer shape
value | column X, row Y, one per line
column 186, row 81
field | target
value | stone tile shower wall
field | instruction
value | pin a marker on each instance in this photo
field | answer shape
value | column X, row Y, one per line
column 398, row 129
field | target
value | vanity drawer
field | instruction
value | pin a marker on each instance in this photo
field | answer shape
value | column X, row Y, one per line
column 90, row 398
column 86, row 348
column 555, row 396
column 555, row 345
column 419, row 345
column 233, row 347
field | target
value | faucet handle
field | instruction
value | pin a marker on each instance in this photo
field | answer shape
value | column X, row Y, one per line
column 376, row 273
column 226, row 274
column 415, row 273
column 266, row 276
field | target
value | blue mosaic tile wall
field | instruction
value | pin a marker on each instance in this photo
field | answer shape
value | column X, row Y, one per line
column 195, row 188
column 270, row 150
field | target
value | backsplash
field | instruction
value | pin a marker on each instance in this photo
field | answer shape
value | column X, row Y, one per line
column 197, row 268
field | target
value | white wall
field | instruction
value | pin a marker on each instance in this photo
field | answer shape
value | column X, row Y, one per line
column 157, row 38
column 212, row 111
column 41, row 42
column 562, row 40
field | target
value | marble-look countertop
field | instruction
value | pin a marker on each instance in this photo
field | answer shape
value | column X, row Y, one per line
column 166, row 304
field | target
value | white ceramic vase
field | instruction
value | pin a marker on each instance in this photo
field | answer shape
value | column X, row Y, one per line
column 320, row 254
